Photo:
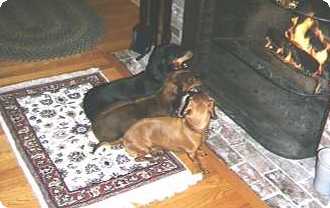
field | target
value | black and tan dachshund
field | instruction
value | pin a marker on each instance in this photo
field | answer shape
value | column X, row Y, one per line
column 112, row 123
column 163, row 59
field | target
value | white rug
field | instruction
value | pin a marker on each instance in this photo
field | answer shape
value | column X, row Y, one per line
column 51, row 138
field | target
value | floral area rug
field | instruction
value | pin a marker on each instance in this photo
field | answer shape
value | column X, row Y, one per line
column 51, row 138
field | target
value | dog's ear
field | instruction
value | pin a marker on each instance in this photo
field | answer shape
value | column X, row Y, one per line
column 211, row 106
column 187, row 108
column 186, row 111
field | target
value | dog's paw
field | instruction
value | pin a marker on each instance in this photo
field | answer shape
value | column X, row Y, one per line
column 205, row 171
column 201, row 153
column 157, row 153
column 140, row 159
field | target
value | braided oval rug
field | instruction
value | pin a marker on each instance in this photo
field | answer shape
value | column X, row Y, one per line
column 42, row 29
column 52, row 141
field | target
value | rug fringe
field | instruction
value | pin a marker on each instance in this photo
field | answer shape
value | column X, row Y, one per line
column 156, row 191
column 48, row 79
column 152, row 192
column 19, row 158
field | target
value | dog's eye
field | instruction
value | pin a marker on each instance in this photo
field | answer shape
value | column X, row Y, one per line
column 195, row 90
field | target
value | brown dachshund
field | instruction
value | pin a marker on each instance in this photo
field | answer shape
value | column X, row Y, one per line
column 112, row 123
column 172, row 133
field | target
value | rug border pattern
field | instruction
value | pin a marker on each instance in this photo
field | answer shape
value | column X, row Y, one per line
column 95, row 77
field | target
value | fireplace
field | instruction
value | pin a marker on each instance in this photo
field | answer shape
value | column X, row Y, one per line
column 241, row 52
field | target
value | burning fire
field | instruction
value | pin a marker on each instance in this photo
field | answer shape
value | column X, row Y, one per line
column 299, row 35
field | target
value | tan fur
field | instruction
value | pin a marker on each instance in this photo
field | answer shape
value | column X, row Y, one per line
column 171, row 133
column 113, row 122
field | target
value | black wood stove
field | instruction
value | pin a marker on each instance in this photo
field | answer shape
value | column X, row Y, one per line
column 241, row 52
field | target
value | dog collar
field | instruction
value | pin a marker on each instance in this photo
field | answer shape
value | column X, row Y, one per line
column 193, row 128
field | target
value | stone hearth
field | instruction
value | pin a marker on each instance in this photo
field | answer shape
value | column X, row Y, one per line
column 278, row 181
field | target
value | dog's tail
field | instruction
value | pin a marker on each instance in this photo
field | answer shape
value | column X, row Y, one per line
column 105, row 144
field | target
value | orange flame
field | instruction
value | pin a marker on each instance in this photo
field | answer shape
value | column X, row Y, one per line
column 298, row 34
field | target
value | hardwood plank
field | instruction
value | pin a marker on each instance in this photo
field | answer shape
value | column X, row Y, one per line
column 14, row 189
column 219, row 188
column 120, row 16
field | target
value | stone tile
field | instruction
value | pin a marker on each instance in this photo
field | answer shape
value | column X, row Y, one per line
column 308, row 185
column 133, row 66
column 290, row 167
column 144, row 61
column 175, row 31
column 311, row 204
column 224, row 118
column 264, row 188
column 214, row 128
column 308, row 164
column 247, row 173
column 255, row 158
column 325, row 139
column 122, row 55
column 288, row 187
column 230, row 131
column 179, row 3
column 177, row 13
column 132, row 53
column 231, row 135
column 175, row 40
column 279, row 201
column 227, row 131
column 177, row 21
column 222, row 149
column 128, row 58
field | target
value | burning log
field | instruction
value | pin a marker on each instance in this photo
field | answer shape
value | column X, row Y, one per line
column 304, row 47
column 306, row 36
column 290, row 54
column 291, row 79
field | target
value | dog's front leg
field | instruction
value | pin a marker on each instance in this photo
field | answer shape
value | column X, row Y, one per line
column 196, row 160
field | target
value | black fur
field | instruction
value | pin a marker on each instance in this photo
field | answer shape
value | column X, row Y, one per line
column 143, row 84
column 113, row 122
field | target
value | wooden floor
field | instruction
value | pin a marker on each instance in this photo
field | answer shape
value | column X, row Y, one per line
column 220, row 188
